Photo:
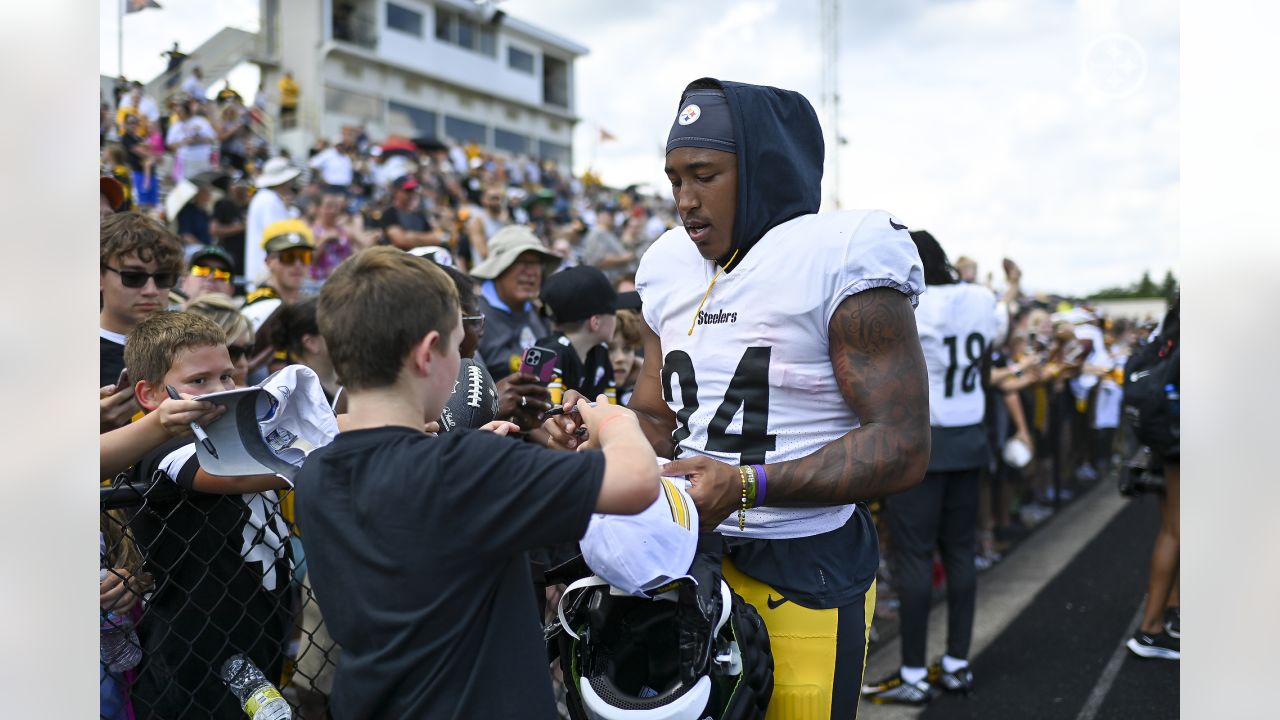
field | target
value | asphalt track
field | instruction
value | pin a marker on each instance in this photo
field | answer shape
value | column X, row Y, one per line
column 1059, row 654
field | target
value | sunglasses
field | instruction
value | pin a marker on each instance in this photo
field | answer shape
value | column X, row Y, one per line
column 240, row 351
column 138, row 278
column 206, row 271
column 476, row 320
column 295, row 255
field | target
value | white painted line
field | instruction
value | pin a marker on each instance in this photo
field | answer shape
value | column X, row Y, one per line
column 1108, row 676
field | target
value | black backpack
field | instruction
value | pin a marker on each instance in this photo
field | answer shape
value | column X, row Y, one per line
column 1152, row 386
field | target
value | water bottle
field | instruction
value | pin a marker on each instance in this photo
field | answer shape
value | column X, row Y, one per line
column 255, row 693
column 118, row 646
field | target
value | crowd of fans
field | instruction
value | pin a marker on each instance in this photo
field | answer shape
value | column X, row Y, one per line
column 200, row 215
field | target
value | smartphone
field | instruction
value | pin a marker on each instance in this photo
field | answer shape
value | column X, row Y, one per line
column 539, row 362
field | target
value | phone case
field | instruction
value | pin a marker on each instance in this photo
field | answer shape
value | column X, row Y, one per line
column 539, row 362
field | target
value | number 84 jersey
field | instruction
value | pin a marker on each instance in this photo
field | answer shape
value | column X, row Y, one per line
column 957, row 325
column 753, row 383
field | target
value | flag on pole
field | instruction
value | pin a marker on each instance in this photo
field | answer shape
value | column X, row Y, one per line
column 133, row 6
column 606, row 136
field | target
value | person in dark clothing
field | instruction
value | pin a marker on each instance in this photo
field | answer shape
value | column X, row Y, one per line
column 404, row 225
column 957, row 325
column 139, row 261
column 452, row 630
column 193, row 219
column 228, row 222
column 218, row 548
column 583, row 305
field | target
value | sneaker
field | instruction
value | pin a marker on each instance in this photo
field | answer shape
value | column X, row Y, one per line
column 895, row 690
column 1159, row 646
column 960, row 681
column 1173, row 622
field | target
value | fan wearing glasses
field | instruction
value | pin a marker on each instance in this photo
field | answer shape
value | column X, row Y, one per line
column 210, row 271
column 140, row 261
column 289, row 245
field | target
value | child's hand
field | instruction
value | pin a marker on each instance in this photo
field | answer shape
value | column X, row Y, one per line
column 596, row 417
column 500, row 427
column 115, row 408
column 176, row 416
column 114, row 594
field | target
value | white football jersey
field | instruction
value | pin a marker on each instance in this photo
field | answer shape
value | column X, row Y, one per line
column 957, row 325
column 754, row 382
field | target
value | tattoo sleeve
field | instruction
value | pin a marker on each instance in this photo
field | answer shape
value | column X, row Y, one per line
column 880, row 368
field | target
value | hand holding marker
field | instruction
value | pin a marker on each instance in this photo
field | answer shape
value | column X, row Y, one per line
column 195, row 426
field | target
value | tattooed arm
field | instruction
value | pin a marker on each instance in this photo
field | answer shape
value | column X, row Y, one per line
column 880, row 368
column 876, row 356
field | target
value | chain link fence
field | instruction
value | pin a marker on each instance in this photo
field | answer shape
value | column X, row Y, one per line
column 195, row 579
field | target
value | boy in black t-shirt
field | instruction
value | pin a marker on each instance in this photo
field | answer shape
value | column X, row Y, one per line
column 218, row 550
column 416, row 544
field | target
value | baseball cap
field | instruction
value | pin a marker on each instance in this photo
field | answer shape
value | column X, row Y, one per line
column 112, row 189
column 270, row 427
column 205, row 252
column 285, row 234
column 642, row 553
column 577, row 293
column 405, row 182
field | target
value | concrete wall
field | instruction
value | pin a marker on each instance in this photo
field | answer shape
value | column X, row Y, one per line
column 1133, row 309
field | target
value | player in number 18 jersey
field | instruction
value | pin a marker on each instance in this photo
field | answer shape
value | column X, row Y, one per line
column 957, row 324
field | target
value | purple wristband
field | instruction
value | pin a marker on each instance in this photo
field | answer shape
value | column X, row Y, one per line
column 760, row 484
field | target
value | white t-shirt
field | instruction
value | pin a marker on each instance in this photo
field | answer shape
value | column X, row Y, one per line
column 196, row 155
column 754, row 382
column 957, row 325
column 265, row 208
column 335, row 167
column 1098, row 355
column 146, row 106
column 194, row 88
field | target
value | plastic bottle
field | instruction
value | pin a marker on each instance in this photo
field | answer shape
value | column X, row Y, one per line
column 259, row 698
column 118, row 645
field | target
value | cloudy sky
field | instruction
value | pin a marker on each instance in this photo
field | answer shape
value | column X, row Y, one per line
column 1046, row 131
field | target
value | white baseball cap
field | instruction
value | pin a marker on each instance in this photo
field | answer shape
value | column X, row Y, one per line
column 638, row 554
column 270, row 427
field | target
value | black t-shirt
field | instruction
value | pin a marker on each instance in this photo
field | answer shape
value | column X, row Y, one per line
column 110, row 361
column 412, row 221
column 221, row 565
column 589, row 377
column 131, row 156
column 228, row 212
column 194, row 221
column 829, row 570
column 416, row 546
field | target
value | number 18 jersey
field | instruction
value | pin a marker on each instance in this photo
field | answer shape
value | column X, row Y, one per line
column 754, row 383
column 957, row 324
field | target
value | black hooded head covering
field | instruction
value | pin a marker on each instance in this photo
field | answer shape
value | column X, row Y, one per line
column 780, row 151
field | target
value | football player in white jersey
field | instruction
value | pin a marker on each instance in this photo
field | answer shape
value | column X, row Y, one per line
column 957, row 323
column 790, row 385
